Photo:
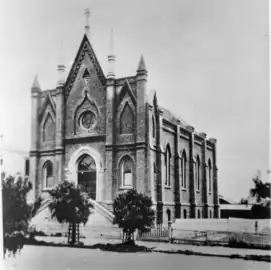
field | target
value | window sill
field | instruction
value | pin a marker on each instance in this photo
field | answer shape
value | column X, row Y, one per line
column 198, row 191
column 46, row 189
column 126, row 134
column 125, row 187
column 184, row 189
column 168, row 187
column 210, row 193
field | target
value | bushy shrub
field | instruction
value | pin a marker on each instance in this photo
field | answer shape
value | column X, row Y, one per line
column 16, row 212
column 133, row 211
column 70, row 205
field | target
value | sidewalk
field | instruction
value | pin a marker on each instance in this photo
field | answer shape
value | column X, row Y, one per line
column 205, row 249
column 156, row 246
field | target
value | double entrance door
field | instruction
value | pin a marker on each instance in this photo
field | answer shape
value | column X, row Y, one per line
column 87, row 175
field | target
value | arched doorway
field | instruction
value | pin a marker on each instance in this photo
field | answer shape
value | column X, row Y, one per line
column 87, row 175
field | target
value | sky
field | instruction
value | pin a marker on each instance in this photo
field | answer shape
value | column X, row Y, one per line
column 207, row 60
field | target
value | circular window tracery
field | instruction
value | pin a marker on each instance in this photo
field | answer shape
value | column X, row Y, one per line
column 87, row 120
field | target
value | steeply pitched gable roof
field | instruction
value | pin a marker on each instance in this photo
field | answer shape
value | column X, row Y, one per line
column 84, row 48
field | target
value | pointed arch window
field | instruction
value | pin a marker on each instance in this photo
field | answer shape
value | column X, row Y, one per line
column 153, row 127
column 126, row 170
column 86, row 164
column 168, row 215
column 167, row 165
column 183, row 170
column 154, row 174
column 127, row 120
column 184, row 214
column 197, row 173
column 49, row 129
column 210, row 181
column 48, row 177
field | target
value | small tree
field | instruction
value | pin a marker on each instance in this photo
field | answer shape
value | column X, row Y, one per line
column 16, row 212
column 133, row 211
column 261, row 190
column 70, row 205
column 262, row 193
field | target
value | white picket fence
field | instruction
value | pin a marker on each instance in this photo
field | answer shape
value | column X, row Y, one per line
column 231, row 225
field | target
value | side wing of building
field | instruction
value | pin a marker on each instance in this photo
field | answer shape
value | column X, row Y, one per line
column 182, row 167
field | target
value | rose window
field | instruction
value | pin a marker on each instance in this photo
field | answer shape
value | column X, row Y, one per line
column 88, row 120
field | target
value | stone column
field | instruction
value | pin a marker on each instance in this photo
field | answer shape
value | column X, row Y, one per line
column 204, row 178
column 34, row 193
column 159, row 179
column 215, row 181
column 151, row 159
column 177, row 173
column 110, row 177
column 59, row 148
column 141, row 127
column 191, row 174
column 35, row 137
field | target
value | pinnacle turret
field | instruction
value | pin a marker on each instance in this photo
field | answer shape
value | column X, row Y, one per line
column 141, row 65
column 36, row 85
column 61, row 68
column 111, row 57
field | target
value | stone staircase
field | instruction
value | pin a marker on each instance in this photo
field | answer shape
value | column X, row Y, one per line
column 105, row 205
column 103, row 209
column 99, row 225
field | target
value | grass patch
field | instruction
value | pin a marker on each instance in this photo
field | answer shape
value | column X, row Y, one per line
column 128, row 248
column 233, row 242
column 41, row 233
column 120, row 247
column 260, row 258
column 236, row 242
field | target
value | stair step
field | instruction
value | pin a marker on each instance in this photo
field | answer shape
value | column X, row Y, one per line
column 107, row 207
column 99, row 225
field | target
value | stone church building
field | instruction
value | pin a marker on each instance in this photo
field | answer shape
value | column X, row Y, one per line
column 110, row 134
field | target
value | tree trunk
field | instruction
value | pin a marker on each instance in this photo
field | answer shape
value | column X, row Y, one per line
column 72, row 239
column 129, row 237
column 73, row 234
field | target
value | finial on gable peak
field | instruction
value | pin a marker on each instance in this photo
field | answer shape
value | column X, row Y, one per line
column 36, row 84
column 141, row 65
column 87, row 27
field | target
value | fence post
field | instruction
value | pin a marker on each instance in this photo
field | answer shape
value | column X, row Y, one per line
column 135, row 235
column 170, row 231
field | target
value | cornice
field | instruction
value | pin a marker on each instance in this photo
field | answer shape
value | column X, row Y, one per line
column 46, row 152
column 87, row 139
column 131, row 146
